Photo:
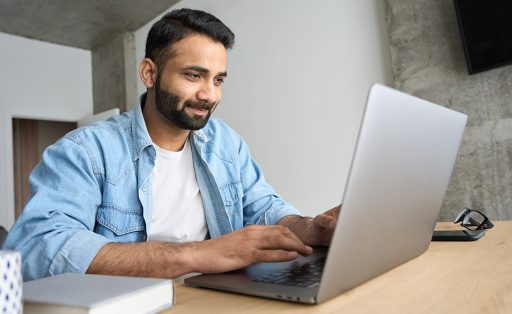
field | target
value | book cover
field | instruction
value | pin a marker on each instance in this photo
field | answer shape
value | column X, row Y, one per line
column 97, row 294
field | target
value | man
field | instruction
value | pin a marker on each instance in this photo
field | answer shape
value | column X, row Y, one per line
column 162, row 190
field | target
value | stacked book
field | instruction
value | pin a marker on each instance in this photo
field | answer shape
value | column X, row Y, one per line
column 97, row 294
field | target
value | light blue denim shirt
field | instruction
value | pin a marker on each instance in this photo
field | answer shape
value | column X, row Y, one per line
column 94, row 186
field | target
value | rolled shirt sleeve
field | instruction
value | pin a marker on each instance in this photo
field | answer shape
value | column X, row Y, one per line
column 55, row 232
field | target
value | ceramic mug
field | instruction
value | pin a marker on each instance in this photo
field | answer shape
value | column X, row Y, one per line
column 11, row 282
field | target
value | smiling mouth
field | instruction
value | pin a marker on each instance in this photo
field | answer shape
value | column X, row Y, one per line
column 199, row 111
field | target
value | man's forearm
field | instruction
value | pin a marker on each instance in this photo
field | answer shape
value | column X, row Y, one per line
column 240, row 248
column 147, row 259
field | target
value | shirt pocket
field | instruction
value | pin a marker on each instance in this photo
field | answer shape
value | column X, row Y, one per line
column 120, row 224
column 231, row 192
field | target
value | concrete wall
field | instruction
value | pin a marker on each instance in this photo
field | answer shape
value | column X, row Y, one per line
column 428, row 61
column 37, row 81
column 114, row 71
column 298, row 78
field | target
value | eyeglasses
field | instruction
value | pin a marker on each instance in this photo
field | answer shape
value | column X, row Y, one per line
column 473, row 220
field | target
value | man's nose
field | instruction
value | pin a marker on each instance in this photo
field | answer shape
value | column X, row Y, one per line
column 208, row 93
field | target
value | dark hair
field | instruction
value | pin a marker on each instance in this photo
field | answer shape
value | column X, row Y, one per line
column 178, row 24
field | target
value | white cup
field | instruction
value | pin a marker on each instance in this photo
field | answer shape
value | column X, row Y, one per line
column 11, row 282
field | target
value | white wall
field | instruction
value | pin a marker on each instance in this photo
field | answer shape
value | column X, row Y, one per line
column 38, row 81
column 298, row 79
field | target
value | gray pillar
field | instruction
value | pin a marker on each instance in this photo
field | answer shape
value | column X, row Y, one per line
column 114, row 72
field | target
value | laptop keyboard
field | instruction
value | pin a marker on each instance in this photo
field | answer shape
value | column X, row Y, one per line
column 306, row 275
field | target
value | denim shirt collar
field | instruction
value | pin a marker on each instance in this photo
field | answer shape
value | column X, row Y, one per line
column 140, row 134
column 201, row 134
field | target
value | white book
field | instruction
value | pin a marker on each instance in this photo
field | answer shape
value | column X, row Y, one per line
column 97, row 294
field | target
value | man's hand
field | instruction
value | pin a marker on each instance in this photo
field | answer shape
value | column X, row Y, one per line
column 252, row 244
column 244, row 247
column 235, row 250
column 314, row 231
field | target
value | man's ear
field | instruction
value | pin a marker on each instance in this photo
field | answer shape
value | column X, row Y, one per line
column 148, row 72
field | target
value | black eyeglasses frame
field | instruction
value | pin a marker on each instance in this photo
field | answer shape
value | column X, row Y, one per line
column 465, row 220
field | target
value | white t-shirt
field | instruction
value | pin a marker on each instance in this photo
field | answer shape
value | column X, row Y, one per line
column 178, row 213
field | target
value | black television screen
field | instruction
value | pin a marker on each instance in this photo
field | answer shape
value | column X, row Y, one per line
column 486, row 30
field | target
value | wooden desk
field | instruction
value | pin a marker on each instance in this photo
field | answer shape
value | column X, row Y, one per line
column 451, row 277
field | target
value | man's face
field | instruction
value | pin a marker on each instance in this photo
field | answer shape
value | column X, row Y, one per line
column 188, row 88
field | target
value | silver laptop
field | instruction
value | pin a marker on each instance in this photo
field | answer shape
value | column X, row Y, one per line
column 399, row 174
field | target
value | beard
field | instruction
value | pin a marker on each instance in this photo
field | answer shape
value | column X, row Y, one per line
column 167, row 104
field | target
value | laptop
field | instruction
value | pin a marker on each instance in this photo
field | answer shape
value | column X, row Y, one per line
column 400, row 170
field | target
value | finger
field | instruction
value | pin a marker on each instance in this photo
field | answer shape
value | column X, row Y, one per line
column 325, row 221
column 334, row 212
column 270, row 256
column 283, row 242
column 280, row 237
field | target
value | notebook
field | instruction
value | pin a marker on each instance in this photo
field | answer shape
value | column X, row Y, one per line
column 400, row 170
column 96, row 294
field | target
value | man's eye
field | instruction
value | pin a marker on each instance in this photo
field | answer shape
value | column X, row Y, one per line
column 194, row 76
column 219, row 81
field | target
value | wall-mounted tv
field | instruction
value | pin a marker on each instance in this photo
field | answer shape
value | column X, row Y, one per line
column 486, row 30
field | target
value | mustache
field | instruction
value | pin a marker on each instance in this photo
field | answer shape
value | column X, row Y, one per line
column 199, row 105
